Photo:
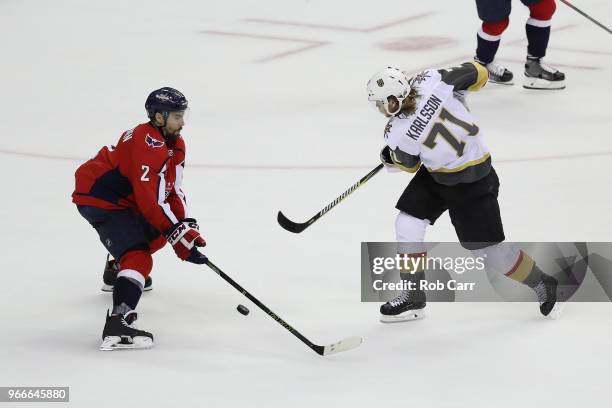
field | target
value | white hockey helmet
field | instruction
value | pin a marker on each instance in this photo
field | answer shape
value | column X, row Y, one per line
column 388, row 82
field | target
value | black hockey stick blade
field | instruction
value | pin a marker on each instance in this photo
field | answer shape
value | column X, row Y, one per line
column 295, row 227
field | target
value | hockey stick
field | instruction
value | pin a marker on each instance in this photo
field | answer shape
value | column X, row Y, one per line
column 297, row 227
column 343, row 345
column 576, row 9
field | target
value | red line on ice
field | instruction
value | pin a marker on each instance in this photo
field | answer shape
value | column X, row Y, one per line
column 291, row 52
column 258, row 36
column 303, row 167
column 339, row 28
column 310, row 44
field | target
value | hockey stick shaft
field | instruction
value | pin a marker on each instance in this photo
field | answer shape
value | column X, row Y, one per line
column 576, row 9
column 318, row 349
column 299, row 227
column 350, row 190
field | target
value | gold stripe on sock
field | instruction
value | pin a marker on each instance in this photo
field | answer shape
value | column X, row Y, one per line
column 523, row 267
column 412, row 263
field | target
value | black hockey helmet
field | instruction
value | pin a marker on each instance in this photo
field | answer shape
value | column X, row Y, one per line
column 164, row 101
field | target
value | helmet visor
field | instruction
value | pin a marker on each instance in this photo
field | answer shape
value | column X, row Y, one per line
column 179, row 115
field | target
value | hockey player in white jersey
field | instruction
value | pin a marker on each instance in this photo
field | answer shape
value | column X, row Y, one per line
column 432, row 133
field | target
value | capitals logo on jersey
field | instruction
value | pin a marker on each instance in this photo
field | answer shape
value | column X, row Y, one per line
column 151, row 142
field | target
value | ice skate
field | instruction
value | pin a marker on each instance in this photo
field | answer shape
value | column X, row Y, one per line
column 409, row 305
column 111, row 269
column 542, row 76
column 120, row 333
column 498, row 74
column 546, row 292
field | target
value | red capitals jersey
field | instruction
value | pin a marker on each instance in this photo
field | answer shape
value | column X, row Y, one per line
column 143, row 172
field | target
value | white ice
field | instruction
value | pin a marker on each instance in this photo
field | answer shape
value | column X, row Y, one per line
column 271, row 129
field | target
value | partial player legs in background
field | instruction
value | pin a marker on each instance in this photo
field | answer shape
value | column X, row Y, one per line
column 537, row 74
column 495, row 19
column 498, row 74
column 541, row 76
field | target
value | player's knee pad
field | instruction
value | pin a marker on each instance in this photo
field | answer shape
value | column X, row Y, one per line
column 409, row 228
column 492, row 30
column 542, row 10
column 501, row 257
column 136, row 264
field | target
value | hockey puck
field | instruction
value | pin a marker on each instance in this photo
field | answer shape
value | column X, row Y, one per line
column 242, row 309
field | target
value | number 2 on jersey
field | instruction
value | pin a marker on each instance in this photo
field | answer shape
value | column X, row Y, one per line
column 439, row 129
column 145, row 173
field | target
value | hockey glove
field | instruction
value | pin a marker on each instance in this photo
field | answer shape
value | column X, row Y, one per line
column 184, row 238
column 385, row 157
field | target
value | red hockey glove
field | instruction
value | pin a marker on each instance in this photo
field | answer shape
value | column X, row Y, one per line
column 184, row 238
column 192, row 223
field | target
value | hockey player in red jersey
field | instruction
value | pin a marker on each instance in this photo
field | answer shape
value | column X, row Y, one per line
column 131, row 194
column 495, row 19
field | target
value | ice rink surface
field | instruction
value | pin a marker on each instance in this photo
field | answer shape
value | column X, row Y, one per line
column 279, row 120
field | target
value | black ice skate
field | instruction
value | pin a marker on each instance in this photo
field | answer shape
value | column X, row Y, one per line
column 120, row 333
column 498, row 74
column 111, row 269
column 546, row 292
column 541, row 76
column 410, row 305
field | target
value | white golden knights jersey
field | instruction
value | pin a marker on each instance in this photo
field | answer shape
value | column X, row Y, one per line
column 441, row 133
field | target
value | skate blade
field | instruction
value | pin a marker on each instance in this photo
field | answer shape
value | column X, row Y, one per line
column 556, row 311
column 542, row 84
column 510, row 82
column 111, row 343
column 109, row 288
column 403, row 317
